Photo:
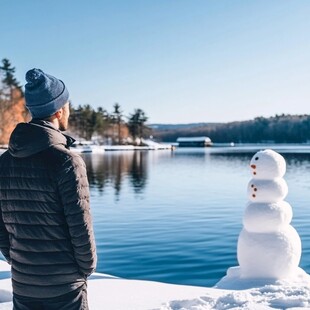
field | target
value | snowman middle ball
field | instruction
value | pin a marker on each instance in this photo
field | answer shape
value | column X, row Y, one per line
column 267, row 217
column 267, row 190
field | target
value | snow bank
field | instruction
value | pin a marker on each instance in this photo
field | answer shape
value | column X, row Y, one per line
column 108, row 292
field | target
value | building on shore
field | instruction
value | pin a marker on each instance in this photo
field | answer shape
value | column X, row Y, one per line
column 194, row 141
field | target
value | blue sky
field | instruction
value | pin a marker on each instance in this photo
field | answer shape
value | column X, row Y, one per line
column 180, row 61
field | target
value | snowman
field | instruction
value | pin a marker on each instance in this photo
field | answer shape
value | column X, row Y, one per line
column 268, row 246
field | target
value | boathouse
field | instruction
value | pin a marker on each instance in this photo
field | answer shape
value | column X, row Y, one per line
column 194, row 141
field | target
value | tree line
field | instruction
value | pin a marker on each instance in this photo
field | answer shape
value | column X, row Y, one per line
column 108, row 127
column 85, row 121
column 278, row 129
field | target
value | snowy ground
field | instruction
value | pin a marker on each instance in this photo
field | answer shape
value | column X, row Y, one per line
column 108, row 292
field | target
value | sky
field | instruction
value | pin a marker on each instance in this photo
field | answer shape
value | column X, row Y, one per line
column 180, row 61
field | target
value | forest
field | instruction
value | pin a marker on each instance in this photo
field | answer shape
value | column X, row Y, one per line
column 277, row 129
column 113, row 127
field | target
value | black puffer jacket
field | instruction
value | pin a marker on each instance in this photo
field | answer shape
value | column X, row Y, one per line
column 46, row 230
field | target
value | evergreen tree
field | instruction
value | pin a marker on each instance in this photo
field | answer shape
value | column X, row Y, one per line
column 12, row 107
column 136, row 123
column 102, row 122
column 117, row 119
column 8, row 79
column 87, row 121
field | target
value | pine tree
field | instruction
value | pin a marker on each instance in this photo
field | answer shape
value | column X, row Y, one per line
column 136, row 123
column 12, row 105
column 117, row 119
column 9, row 81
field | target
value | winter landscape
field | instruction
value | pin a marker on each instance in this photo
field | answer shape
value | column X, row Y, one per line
column 178, row 225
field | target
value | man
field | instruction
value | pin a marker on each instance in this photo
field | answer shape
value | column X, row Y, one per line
column 46, row 231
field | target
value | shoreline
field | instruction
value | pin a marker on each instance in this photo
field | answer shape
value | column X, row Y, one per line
column 109, row 292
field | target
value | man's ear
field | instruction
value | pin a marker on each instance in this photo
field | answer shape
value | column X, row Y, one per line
column 59, row 114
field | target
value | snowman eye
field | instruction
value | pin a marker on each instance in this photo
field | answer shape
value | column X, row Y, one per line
column 256, row 158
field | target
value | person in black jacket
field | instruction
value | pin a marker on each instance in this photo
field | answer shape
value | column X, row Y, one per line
column 46, row 231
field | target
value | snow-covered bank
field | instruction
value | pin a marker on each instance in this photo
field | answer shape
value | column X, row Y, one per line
column 90, row 147
column 108, row 292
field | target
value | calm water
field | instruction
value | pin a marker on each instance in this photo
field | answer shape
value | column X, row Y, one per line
column 175, row 216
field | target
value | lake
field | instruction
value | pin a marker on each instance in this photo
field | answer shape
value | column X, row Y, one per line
column 175, row 216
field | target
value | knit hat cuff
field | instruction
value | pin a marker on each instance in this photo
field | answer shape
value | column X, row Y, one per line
column 47, row 109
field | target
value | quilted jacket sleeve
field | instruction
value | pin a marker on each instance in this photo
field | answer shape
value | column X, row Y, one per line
column 4, row 241
column 74, row 191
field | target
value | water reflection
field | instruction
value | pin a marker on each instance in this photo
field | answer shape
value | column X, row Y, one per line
column 138, row 171
column 112, row 169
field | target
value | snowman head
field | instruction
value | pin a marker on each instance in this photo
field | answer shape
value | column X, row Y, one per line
column 267, row 164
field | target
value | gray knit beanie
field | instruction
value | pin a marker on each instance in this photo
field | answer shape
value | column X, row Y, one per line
column 44, row 94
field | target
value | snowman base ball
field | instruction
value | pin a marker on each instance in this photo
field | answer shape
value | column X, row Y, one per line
column 234, row 281
column 269, row 255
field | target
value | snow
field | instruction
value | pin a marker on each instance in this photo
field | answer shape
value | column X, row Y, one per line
column 272, row 190
column 269, row 255
column 108, row 292
column 275, row 216
column 268, row 164
column 193, row 139
column 90, row 147
column 268, row 246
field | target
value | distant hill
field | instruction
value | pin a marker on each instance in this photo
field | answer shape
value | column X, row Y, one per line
column 170, row 132
column 279, row 129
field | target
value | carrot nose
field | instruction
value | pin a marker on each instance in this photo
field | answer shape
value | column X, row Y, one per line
column 253, row 166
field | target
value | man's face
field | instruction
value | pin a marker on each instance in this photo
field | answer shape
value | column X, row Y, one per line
column 63, row 122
